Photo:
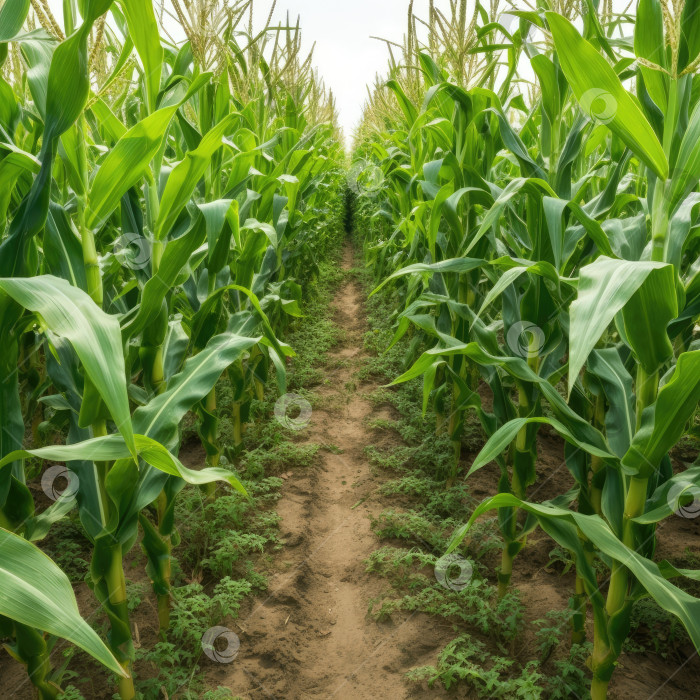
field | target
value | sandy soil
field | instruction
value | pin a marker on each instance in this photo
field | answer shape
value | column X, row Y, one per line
column 311, row 637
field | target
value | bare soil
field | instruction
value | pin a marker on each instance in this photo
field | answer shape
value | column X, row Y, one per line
column 311, row 637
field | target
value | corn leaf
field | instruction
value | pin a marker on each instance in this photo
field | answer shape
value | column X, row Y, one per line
column 144, row 32
column 94, row 335
column 599, row 90
column 663, row 423
column 186, row 174
column 35, row 592
column 606, row 286
column 669, row 597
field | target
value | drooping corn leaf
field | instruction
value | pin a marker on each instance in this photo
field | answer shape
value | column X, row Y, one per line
column 161, row 417
column 455, row 265
column 667, row 498
column 504, row 436
column 94, row 335
column 35, row 592
column 669, row 597
column 520, row 370
column 110, row 448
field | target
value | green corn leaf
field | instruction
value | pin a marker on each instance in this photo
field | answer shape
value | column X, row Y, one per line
column 67, row 88
column 94, row 335
column 37, row 48
column 689, row 48
column 663, row 423
column 108, row 121
column 144, row 32
column 12, row 432
column 668, row 497
column 649, row 44
column 499, row 442
column 185, row 176
column 547, row 74
column 456, row 265
column 409, row 111
column 12, row 16
column 646, row 317
column 126, row 164
column 616, row 382
column 176, row 255
column 668, row 596
column 686, row 172
column 35, row 592
column 223, row 226
column 112, row 448
column 601, row 93
column 63, row 250
column 129, row 160
column 535, row 186
column 521, row 371
column 605, row 288
column 161, row 417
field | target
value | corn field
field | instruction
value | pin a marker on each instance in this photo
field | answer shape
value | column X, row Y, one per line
column 524, row 194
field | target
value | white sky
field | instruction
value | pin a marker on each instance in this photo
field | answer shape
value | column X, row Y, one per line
column 345, row 56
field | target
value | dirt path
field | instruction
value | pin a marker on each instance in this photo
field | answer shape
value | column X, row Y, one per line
column 311, row 638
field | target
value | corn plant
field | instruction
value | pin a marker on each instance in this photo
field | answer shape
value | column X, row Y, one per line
column 162, row 201
column 589, row 274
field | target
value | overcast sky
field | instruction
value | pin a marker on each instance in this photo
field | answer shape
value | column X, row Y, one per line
column 345, row 55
